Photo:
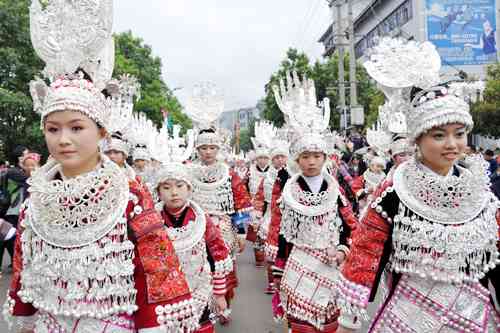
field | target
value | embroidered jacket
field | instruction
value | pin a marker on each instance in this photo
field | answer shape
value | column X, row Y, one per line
column 271, row 246
column 373, row 250
column 361, row 186
column 241, row 197
column 160, row 288
column 218, row 255
column 346, row 214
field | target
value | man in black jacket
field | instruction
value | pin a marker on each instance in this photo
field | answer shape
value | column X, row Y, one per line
column 13, row 183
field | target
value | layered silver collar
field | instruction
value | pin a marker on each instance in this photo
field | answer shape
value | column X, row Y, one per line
column 210, row 175
column 446, row 200
column 310, row 219
column 77, row 211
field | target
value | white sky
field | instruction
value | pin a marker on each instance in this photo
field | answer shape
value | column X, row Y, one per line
column 236, row 44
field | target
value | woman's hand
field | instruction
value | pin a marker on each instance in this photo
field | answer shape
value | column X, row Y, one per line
column 241, row 244
column 221, row 303
column 340, row 257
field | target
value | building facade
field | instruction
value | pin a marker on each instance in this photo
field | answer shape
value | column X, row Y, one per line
column 245, row 116
column 464, row 31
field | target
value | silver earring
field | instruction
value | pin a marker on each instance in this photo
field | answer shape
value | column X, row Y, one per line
column 418, row 154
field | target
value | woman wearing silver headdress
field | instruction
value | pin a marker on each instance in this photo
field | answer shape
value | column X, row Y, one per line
column 217, row 188
column 264, row 134
column 117, row 149
column 92, row 254
column 429, row 239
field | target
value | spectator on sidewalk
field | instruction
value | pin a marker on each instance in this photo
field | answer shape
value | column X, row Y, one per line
column 13, row 182
column 489, row 156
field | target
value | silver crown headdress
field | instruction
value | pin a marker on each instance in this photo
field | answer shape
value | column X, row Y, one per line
column 117, row 142
column 265, row 133
column 378, row 139
column 121, row 103
column 204, row 107
column 400, row 66
column 172, row 151
column 241, row 156
column 307, row 119
column 280, row 144
column 76, row 35
column 67, row 35
column 140, row 133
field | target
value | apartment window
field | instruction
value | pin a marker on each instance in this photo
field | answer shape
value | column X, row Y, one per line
column 399, row 17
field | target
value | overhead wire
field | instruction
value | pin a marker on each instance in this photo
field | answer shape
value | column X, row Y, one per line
column 302, row 24
column 310, row 20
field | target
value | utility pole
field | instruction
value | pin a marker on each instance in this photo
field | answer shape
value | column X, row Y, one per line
column 352, row 56
column 339, row 37
column 237, row 133
column 356, row 111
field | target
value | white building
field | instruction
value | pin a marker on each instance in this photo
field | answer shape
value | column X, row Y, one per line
column 229, row 119
column 462, row 30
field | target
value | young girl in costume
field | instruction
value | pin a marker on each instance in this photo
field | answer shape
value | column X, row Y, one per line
column 205, row 259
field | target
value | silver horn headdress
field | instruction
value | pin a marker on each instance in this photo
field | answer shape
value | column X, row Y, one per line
column 73, row 38
column 204, row 107
column 408, row 74
column 173, row 151
column 306, row 119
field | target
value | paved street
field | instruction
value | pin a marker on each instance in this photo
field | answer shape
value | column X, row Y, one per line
column 252, row 308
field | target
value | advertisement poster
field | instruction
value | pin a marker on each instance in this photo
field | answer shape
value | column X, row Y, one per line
column 463, row 30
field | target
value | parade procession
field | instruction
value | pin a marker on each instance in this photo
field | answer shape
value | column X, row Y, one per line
column 127, row 210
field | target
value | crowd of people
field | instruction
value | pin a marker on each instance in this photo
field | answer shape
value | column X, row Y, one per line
column 127, row 228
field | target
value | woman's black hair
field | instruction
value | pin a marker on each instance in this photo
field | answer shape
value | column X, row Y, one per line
column 87, row 77
column 207, row 130
column 415, row 91
column 117, row 135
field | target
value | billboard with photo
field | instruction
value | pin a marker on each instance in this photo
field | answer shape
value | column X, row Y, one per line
column 463, row 30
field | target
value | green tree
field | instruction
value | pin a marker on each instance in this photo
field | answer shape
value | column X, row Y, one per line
column 136, row 58
column 293, row 61
column 325, row 76
column 245, row 141
column 19, row 64
column 486, row 114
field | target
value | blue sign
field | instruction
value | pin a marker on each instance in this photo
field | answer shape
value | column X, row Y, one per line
column 463, row 31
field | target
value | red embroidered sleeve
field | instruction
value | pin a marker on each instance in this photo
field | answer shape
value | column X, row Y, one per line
column 271, row 246
column 258, row 200
column 358, row 186
column 350, row 220
column 16, row 307
column 347, row 211
column 361, row 265
column 163, row 296
column 241, row 197
column 220, row 254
